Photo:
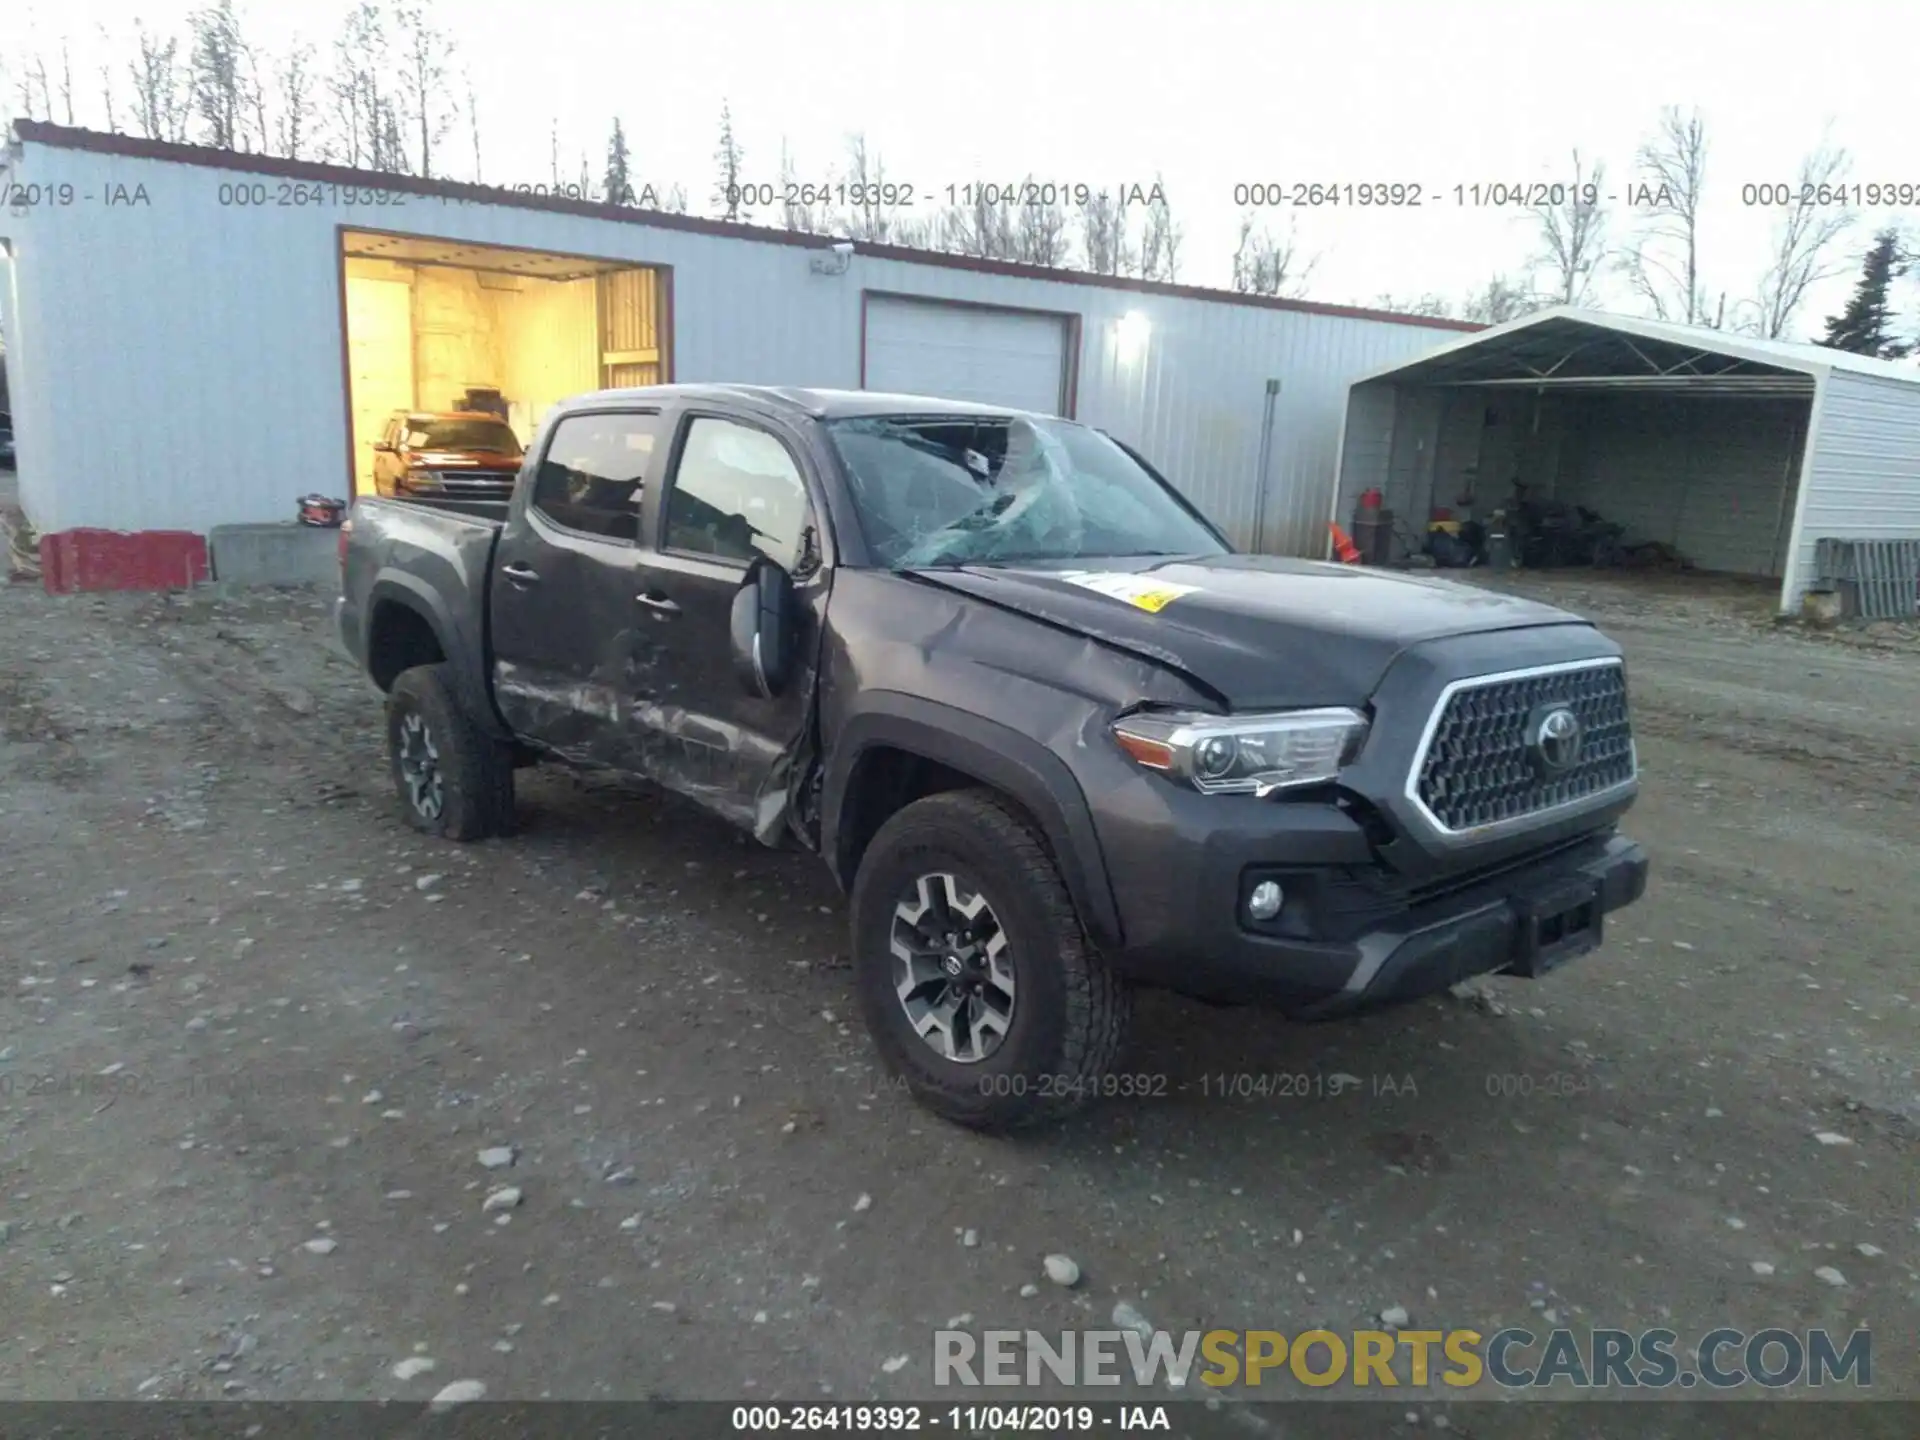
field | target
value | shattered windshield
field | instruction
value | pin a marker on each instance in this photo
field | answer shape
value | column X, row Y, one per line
column 951, row 490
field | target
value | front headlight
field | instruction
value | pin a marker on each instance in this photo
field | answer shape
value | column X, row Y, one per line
column 1244, row 754
column 421, row 480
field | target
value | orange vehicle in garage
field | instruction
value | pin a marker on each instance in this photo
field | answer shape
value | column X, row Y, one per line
column 458, row 455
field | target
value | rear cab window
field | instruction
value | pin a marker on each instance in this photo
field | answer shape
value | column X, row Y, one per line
column 591, row 476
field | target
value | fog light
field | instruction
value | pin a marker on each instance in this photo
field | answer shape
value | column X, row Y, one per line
column 1265, row 901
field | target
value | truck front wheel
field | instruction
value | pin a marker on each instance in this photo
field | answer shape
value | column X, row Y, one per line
column 977, row 982
column 453, row 780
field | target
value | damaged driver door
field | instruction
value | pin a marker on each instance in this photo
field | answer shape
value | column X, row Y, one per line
column 563, row 623
column 735, row 494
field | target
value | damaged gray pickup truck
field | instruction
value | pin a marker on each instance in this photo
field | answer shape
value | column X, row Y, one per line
column 1054, row 737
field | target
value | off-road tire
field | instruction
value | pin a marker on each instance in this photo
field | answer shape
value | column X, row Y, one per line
column 1071, row 1012
column 476, row 771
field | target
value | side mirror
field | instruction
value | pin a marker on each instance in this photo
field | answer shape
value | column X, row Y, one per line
column 381, row 447
column 762, row 629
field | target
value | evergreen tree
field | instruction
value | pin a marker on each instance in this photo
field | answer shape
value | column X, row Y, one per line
column 729, row 158
column 618, row 184
column 1865, row 327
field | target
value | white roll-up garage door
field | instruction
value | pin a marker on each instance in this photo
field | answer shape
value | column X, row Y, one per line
column 994, row 357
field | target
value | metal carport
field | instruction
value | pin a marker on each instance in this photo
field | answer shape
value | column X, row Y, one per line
column 1739, row 453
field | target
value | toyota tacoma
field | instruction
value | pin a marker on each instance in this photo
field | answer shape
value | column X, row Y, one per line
column 1052, row 735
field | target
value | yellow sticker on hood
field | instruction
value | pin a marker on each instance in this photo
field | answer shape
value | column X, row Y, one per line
column 1141, row 591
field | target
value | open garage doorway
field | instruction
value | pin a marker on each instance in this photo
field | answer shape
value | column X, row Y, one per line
column 447, row 342
column 1581, row 440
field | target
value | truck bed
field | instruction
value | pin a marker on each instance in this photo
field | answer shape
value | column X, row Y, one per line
column 437, row 558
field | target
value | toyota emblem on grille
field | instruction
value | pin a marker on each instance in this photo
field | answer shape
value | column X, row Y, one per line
column 1556, row 735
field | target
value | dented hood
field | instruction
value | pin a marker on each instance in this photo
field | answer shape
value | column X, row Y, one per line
column 1259, row 631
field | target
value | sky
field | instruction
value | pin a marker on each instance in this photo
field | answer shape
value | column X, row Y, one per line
column 1205, row 94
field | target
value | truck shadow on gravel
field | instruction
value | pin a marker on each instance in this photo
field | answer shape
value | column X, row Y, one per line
column 1428, row 1082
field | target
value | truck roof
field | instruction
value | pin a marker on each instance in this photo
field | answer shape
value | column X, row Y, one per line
column 448, row 415
column 791, row 399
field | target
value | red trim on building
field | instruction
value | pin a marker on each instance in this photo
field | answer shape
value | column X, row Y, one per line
column 122, row 560
column 67, row 137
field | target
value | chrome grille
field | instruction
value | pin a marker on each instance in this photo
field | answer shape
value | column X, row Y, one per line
column 1477, row 769
column 477, row 484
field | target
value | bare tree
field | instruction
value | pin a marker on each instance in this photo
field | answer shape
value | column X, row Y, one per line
column 1664, row 268
column 258, row 99
column 674, row 202
column 106, row 83
column 871, row 213
column 1266, row 264
column 994, row 225
column 161, row 102
column 1499, row 301
column 217, row 67
column 1803, row 241
column 797, row 212
column 1102, row 223
column 393, row 142
column 981, row 227
column 1431, row 305
column 1159, row 252
column 473, row 122
column 1573, row 234
column 66, row 80
column 553, row 150
column 294, row 78
column 42, row 106
column 423, row 49
column 729, row 160
column 362, row 108
column 1040, row 232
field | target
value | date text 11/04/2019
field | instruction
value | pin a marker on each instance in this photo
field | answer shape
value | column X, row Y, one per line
column 888, row 194
column 1417, row 195
column 1213, row 1085
column 961, row 1419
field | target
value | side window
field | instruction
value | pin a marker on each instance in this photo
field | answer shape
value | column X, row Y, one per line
column 736, row 494
column 590, row 477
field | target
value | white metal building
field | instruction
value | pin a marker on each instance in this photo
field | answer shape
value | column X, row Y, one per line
column 1738, row 453
column 196, row 338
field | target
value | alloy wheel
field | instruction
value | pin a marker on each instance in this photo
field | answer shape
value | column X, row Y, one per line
column 952, row 969
column 420, row 767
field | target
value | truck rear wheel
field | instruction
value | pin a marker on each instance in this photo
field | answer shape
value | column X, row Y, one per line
column 453, row 780
column 978, row 984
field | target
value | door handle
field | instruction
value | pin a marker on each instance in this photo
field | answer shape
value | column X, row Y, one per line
column 520, row 574
column 660, row 604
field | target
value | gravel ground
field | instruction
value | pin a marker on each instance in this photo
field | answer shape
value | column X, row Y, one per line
column 257, row 1036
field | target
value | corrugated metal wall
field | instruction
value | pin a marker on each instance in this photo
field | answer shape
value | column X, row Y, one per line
column 1862, row 480
column 1416, row 440
column 1711, row 476
column 1368, row 450
column 146, row 330
column 1456, row 464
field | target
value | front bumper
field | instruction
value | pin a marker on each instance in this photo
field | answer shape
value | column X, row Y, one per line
column 1365, row 946
column 1526, row 921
